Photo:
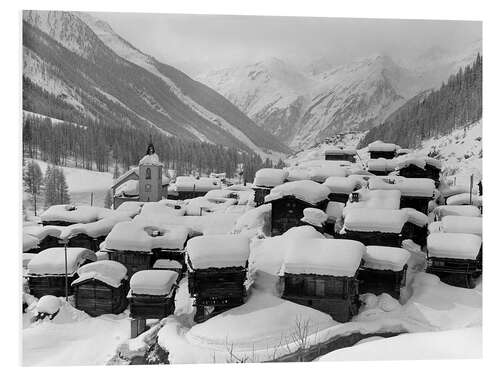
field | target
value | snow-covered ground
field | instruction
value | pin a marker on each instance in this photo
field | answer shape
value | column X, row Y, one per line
column 73, row 338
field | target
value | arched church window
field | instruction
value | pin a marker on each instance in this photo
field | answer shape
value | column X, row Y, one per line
column 148, row 173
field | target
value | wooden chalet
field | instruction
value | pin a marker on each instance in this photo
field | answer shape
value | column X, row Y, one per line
column 421, row 168
column 383, row 270
column 341, row 153
column 67, row 214
column 374, row 227
column 341, row 188
column 454, row 258
column 151, row 296
column 217, row 266
column 46, row 271
column 379, row 149
column 325, row 277
column 289, row 200
column 101, row 288
column 415, row 192
column 265, row 180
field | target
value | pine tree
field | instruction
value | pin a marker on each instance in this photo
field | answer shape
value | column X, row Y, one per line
column 50, row 186
column 62, row 187
column 116, row 172
column 108, row 199
column 33, row 182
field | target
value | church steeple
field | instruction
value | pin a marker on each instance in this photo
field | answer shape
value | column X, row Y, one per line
column 151, row 147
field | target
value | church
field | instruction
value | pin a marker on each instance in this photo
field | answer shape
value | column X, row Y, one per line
column 144, row 183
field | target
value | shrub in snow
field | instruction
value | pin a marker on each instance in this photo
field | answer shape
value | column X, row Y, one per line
column 314, row 216
column 48, row 305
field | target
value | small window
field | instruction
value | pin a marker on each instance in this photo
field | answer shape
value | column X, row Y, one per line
column 148, row 173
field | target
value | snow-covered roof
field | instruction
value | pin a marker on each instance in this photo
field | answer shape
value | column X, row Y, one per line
column 382, row 199
column 453, row 245
column 403, row 151
column 416, row 217
column 134, row 170
column 330, row 257
column 270, row 177
column 29, row 242
column 130, row 207
column 462, row 224
column 382, row 146
column 340, row 151
column 306, row 190
column 434, row 162
column 335, row 209
column 163, row 207
column 130, row 187
column 27, row 258
column 385, row 258
column 342, row 185
column 414, row 187
column 382, row 165
column 107, row 271
column 321, row 173
column 153, row 282
column 167, row 264
column 218, row 251
column 457, row 210
column 42, row 232
column 314, row 216
column 202, row 205
column 70, row 213
column 51, row 261
column 95, row 229
column 465, row 198
column 190, row 183
column 150, row 159
column 139, row 236
column 374, row 220
column 297, row 173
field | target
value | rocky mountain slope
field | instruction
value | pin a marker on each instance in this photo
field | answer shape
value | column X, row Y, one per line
column 99, row 75
column 303, row 106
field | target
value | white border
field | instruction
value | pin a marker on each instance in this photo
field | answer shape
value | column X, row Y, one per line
column 421, row 9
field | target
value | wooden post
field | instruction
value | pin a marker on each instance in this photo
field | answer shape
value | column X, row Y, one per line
column 66, row 269
column 137, row 326
column 470, row 191
column 92, row 198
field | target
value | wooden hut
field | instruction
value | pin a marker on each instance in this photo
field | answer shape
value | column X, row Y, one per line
column 101, row 288
column 341, row 153
column 130, row 244
column 217, row 267
column 453, row 257
column 379, row 149
column 374, row 227
column 420, row 168
column 265, row 180
column 381, row 166
column 415, row 192
column 169, row 242
column 289, row 201
column 342, row 187
column 46, row 271
column 383, row 270
column 325, row 276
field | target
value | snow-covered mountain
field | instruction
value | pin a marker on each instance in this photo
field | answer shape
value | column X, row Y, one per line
column 303, row 106
column 84, row 63
column 271, row 92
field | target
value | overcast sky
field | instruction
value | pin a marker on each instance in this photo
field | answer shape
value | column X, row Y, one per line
column 197, row 43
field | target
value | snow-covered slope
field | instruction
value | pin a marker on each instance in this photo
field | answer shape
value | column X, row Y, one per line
column 270, row 92
column 303, row 106
column 84, row 63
